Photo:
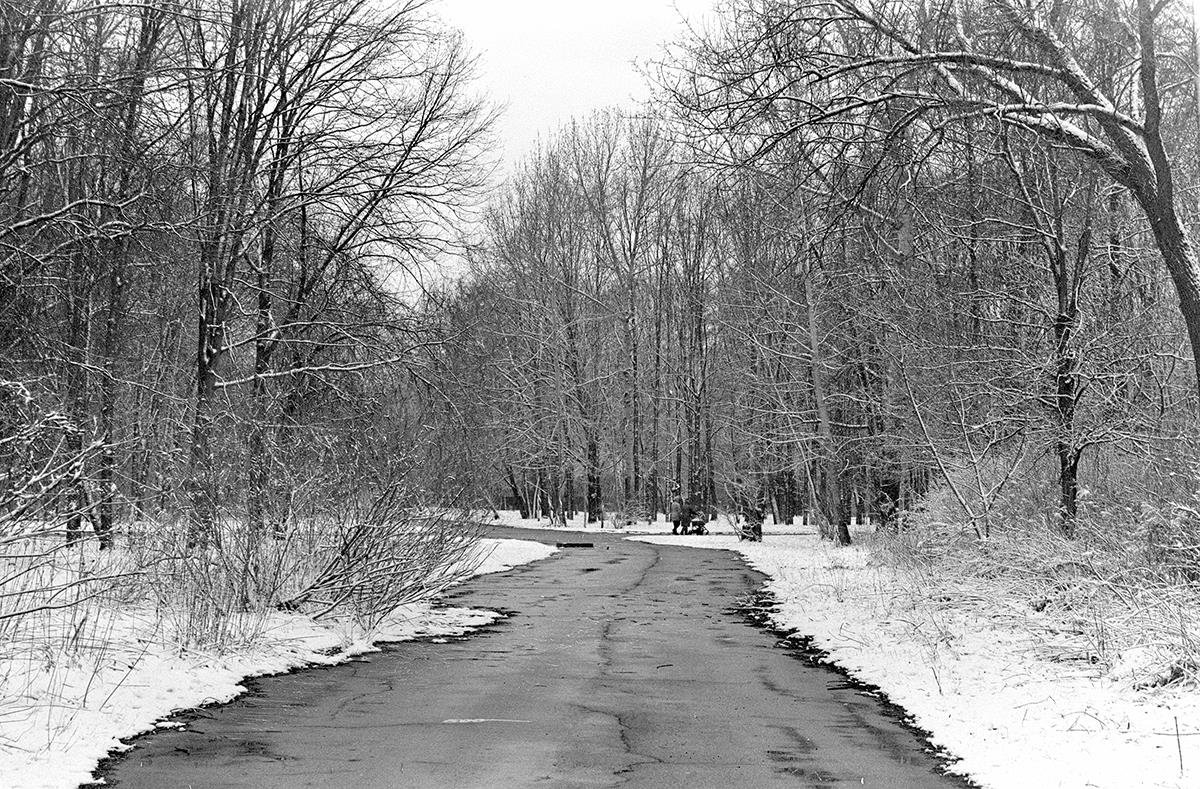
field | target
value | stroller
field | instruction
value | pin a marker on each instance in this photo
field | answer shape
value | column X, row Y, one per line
column 692, row 520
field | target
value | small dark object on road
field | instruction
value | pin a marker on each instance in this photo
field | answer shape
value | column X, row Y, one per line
column 574, row 545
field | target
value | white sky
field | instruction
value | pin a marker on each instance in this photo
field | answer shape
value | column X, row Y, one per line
column 547, row 61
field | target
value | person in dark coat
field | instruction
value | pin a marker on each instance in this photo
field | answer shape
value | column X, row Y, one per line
column 676, row 515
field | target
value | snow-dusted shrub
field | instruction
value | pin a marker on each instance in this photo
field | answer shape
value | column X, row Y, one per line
column 361, row 558
column 379, row 554
column 57, row 597
column 42, row 460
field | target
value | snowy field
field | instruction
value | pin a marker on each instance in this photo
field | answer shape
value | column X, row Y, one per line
column 145, row 678
column 988, row 692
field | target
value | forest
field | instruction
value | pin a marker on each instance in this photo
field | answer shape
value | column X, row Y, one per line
column 275, row 327
column 285, row 344
column 213, row 216
column 955, row 275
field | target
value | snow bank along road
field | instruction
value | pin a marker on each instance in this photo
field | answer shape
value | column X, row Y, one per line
column 621, row 664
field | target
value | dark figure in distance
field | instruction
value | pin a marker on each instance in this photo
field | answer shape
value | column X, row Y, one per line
column 676, row 515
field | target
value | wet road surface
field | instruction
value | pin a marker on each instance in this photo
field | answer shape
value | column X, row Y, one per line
column 620, row 665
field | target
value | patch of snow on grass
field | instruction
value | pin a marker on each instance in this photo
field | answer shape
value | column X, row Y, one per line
column 141, row 678
column 505, row 554
column 1012, row 716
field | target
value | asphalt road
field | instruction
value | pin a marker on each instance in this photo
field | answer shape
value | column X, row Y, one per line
column 620, row 665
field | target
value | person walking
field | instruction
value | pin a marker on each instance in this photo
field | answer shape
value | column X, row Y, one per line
column 676, row 514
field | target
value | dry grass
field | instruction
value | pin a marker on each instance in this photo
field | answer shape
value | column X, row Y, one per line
column 1123, row 601
column 60, row 625
column 76, row 620
column 71, row 614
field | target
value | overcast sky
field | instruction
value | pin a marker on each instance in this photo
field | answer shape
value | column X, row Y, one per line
column 550, row 60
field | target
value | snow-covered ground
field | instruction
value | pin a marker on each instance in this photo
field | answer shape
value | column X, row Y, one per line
column 144, row 678
column 1013, row 717
column 578, row 523
column 612, row 523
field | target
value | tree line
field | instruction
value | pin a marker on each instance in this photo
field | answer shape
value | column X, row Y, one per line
column 848, row 254
column 849, row 258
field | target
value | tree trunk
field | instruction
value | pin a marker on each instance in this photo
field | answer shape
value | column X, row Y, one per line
column 569, row 496
column 108, row 401
column 1066, row 398
column 202, row 471
column 1180, row 257
column 257, row 495
column 594, row 503
column 1068, row 479
column 78, row 381
column 833, row 524
column 522, row 505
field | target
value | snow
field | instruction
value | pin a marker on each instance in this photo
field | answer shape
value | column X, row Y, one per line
column 613, row 523
column 143, row 678
column 485, row 720
column 1012, row 717
column 579, row 523
column 507, row 554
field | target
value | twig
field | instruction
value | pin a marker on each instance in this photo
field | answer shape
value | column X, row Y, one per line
column 1178, row 745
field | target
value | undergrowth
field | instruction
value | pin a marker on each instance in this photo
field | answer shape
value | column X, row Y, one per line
column 1122, row 599
column 75, row 621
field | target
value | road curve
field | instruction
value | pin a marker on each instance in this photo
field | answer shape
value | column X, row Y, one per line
column 620, row 665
